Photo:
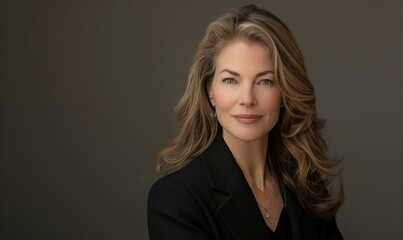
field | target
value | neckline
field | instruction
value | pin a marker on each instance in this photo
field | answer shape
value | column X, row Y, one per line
column 280, row 225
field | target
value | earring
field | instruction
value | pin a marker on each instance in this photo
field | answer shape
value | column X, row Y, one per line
column 214, row 113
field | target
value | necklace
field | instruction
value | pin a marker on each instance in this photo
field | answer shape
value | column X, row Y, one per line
column 265, row 208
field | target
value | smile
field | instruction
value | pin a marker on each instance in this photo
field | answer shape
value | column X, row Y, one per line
column 247, row 118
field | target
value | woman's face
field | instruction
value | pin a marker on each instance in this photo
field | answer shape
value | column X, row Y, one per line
column 244, row 91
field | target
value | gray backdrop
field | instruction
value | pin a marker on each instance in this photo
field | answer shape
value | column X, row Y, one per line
column 88, row 88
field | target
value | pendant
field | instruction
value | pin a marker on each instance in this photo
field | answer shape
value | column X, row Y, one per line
column 266, row 214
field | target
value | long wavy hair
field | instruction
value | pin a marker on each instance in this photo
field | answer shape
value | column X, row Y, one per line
column 298, row 152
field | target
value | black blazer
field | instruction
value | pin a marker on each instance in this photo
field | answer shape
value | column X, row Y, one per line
column 210, row 199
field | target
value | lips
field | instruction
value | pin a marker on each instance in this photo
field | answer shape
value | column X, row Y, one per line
column 247, row 118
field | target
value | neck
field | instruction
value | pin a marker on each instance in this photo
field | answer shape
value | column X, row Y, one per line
column 251, row 157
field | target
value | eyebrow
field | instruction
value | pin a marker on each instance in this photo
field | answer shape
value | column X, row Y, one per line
column 238, row 75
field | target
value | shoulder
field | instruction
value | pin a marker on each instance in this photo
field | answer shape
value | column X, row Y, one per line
column 174, row 207
column 185, row 178
column 184, row 186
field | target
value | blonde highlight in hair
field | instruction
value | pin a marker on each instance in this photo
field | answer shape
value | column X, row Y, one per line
column 298, row 152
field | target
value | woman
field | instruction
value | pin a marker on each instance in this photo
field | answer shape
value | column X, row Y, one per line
column 249, row 161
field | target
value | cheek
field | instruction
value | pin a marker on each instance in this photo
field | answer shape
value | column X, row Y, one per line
column 223, row 100
column 271, row 102
column 276, row 98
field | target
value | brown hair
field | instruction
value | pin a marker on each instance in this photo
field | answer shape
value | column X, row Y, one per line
column 298, row 153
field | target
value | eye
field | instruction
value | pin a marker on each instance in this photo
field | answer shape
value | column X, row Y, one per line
column 266, row 82
column 229, row 80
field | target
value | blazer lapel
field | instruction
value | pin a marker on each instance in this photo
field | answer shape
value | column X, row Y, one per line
column 238, row 208
column 241, row 214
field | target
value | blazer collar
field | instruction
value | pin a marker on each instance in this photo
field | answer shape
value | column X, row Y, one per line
column 221, row 167
column 239, row 209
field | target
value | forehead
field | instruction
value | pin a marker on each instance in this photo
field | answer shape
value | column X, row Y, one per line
column 242, row 54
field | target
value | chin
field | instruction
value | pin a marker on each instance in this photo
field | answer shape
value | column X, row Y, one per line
column 246, row 135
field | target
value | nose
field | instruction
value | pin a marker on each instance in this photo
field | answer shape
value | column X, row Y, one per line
column 247, row 97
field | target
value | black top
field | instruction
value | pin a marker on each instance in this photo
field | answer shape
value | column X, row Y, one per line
column 210, row 198
column 281, row 230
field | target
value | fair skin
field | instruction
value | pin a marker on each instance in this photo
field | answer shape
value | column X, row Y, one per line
column 247, row 101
